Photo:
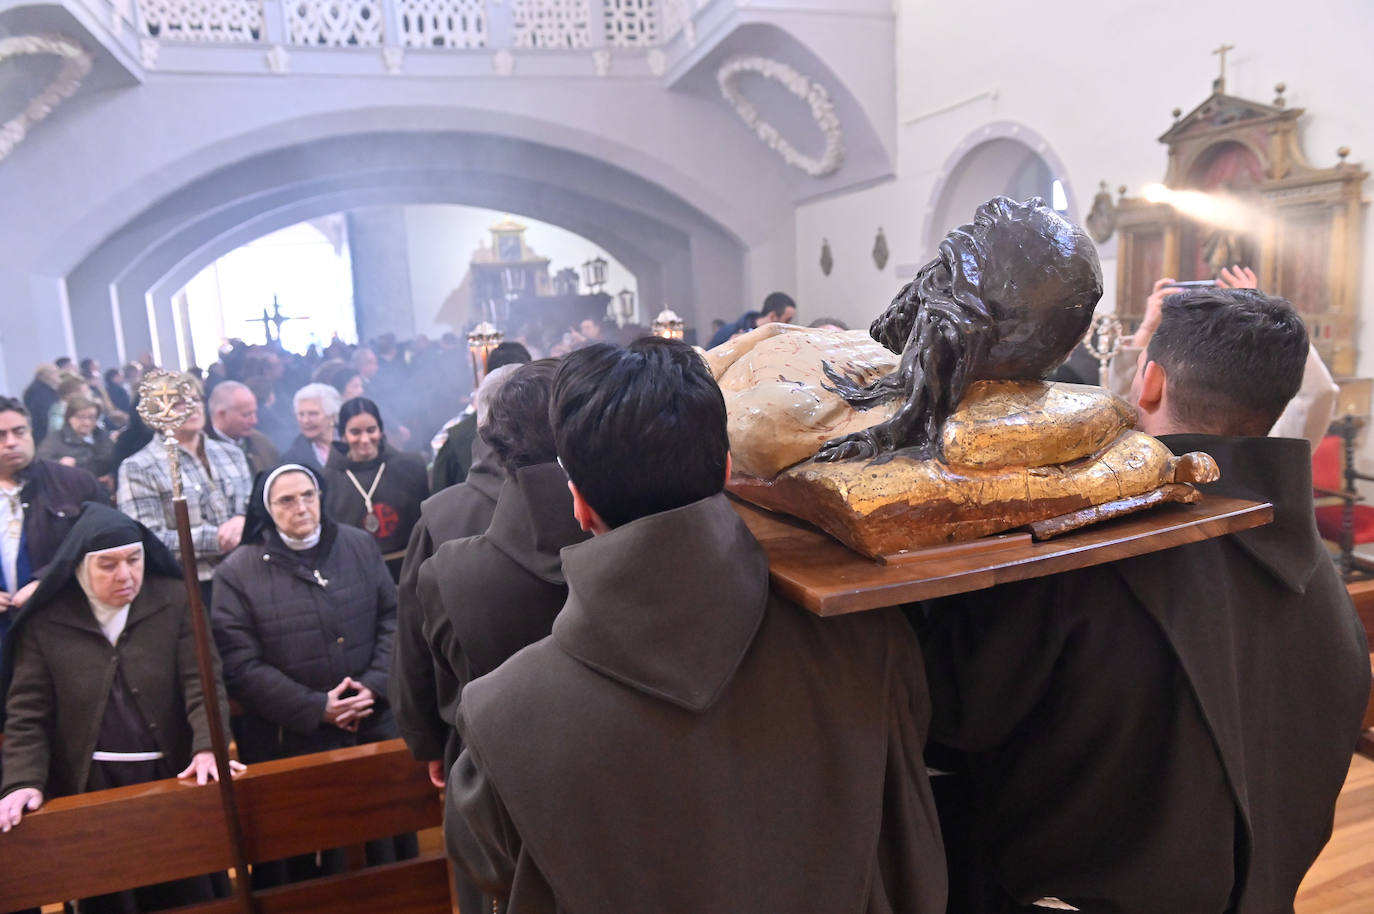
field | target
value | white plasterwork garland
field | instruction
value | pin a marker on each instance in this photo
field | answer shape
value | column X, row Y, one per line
column 76, row 63
column 814, row 94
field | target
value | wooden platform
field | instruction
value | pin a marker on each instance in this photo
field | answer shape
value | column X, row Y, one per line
column 817, row 572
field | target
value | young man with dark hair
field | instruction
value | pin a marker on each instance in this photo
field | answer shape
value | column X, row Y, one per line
column 1168, row 732
column 39, row 503
column 685, row 740
column 778, row 307
column 482, row 598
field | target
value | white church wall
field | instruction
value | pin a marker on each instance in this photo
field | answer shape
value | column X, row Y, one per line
column 1097, row 82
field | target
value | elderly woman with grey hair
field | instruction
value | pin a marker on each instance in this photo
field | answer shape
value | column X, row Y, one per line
column 317, row 408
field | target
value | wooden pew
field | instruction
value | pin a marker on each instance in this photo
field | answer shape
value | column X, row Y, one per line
column 110, row 840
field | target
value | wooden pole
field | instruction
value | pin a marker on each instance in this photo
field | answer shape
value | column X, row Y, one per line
column 200, row 626
column 166, row 401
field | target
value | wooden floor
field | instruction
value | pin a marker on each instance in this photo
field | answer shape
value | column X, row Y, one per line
column 1342, row 880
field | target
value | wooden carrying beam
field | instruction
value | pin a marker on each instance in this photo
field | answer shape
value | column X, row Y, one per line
column 76, row 847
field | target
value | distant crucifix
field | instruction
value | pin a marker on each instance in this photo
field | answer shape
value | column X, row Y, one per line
column 273, row 320
column 1219, row 84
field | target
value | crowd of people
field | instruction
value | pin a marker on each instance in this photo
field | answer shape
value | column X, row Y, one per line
column 567, row 621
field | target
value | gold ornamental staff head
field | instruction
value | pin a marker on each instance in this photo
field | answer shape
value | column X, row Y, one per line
column 166, row 400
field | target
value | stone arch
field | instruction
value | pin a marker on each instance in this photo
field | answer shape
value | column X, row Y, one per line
column 1002, row 157
column 667, row 242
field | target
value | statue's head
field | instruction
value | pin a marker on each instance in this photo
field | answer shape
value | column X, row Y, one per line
column 1019, row 271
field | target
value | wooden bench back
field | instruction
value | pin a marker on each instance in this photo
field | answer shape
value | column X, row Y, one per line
column 110, row 840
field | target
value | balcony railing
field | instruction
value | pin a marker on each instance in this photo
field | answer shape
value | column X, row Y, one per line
column 458, row 24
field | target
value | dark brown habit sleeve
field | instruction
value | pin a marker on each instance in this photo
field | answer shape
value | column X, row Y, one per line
column 478, row 831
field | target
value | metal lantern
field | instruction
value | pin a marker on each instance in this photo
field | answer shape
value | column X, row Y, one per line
column 482, row 339
column 594, row 273
column 624, row 306
column 668, row 325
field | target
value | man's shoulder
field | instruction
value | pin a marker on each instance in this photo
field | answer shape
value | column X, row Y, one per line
column 464, row 563
column 864, row 639
column 533, row 677
column 261, row 444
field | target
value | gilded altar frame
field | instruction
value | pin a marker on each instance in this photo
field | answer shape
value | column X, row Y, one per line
column 1307, row 236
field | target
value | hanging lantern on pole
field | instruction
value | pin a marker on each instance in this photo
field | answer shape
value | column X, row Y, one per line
column 482, row 339
column 624, row 307
column 594, row 273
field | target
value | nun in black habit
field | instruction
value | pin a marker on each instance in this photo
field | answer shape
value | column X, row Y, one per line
column 102, row 686
column 304, row 614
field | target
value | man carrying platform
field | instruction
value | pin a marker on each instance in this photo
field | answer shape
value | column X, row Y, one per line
column 685, row 741
column 1169, row 732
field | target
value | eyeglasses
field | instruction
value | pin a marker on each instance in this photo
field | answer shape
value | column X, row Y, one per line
column 290, row 501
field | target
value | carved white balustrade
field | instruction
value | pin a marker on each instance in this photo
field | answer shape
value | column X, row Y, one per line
column 551, row 23
column 443, row 23
column 430, row 24
column 202, row 20
column 630, row 23
column 335, row 23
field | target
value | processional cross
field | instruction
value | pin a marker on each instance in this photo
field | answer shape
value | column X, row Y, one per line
column 275, row 319
column 1219, row 84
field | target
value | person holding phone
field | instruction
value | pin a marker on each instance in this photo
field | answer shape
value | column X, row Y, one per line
column 1309, row 412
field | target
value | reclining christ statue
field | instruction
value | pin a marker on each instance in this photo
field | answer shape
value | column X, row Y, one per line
column 947, row 430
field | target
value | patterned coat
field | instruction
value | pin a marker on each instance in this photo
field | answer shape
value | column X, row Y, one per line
column 213, row 497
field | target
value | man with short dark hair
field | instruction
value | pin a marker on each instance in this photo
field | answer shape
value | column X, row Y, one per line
column 778, row 307
column 1168, row 732
column 685, row 740
column 481, row 598
column 39, row 504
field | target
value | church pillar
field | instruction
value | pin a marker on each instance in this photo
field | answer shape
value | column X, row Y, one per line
column 131, row 310
column 381, row 272
column 44, row 333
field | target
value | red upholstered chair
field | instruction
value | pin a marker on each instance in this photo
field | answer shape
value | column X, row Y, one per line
column 1340, row 516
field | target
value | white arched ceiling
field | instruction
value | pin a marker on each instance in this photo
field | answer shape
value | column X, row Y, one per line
column 674, row 250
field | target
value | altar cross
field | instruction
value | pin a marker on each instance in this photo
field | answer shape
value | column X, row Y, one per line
column 1219, row 84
